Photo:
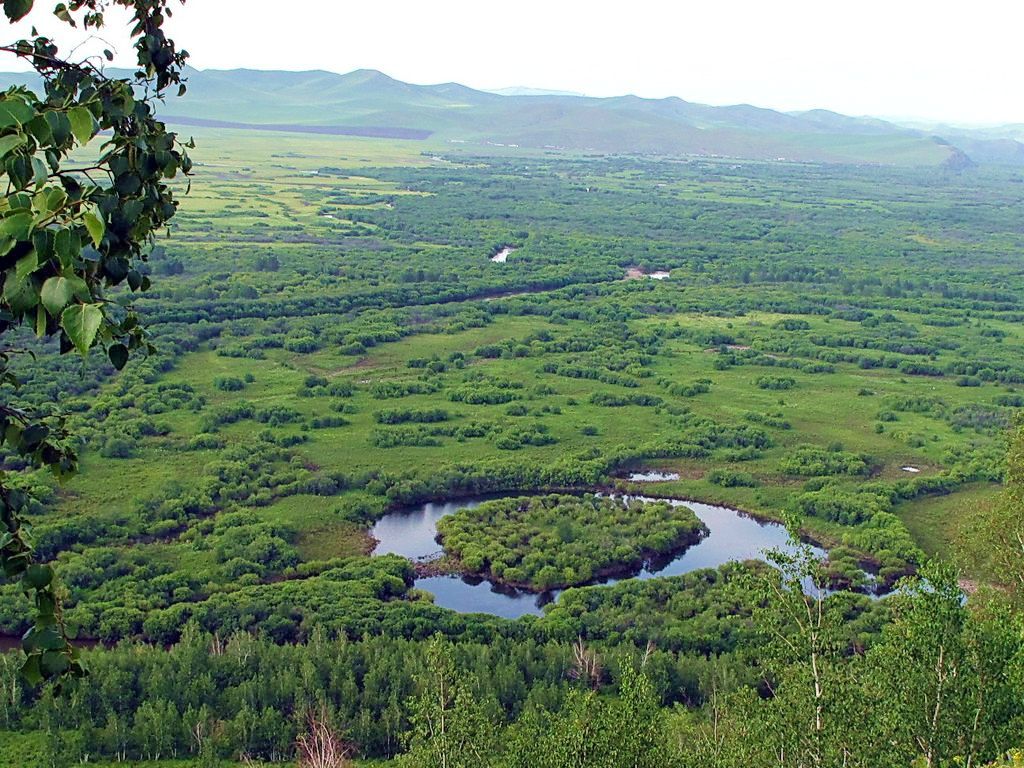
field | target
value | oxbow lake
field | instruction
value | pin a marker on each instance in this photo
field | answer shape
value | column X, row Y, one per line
column 411, row 533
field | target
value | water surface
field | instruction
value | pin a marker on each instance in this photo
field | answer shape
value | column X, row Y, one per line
column 652, row 476
column 411, row 533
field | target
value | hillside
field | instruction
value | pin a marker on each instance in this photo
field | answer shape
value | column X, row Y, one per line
column 369, row 103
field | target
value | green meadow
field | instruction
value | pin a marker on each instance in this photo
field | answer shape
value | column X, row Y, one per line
column 838, row 343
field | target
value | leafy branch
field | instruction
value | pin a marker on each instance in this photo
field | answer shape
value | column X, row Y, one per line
column 65, row 240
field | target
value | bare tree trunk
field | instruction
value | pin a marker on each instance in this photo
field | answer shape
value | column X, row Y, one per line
column 320, row 746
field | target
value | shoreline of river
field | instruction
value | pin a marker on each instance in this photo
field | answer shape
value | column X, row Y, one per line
column 410, row 531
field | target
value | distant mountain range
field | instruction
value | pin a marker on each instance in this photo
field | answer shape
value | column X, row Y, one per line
column 369, row 103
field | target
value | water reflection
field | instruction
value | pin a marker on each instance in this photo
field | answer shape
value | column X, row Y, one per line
column 732, row 536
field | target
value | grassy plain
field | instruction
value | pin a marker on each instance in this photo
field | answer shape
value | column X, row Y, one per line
column 336, row 342
column 275, row 194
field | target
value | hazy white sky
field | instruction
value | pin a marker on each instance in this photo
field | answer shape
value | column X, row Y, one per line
column 933, row 59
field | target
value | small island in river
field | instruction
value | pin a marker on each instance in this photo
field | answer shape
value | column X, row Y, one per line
column 539, row 543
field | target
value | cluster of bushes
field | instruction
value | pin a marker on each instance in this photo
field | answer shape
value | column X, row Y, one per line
column 517, row 436
column 482, row 395
column 389, row 390
column 424, row 435
column 776, row 420
column 328, row 422
column 543, row 542
column 407, row 415
column 596, row 374
column 917, row 368
column 728, row 478
column 792, row 324
column 843, row 570
column 841, row 506
column 277, row 415
column 435, row 365
column 229, row 383
column 777, row 383
column 612, row 400
column 924, row 404
column 980, row 417
column 811, row 461
column 698, row 387
column 729, row 357
column 228, row 414
column 395, row 438
column 205, row 441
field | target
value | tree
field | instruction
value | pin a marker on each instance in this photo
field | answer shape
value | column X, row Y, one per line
column 944, row 675
column 449, row 727
column 594, row 731
column 320, row 746
column 994, row 535
column 73, row 241
column 802, row 659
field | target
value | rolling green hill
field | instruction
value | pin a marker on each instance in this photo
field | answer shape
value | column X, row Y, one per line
column 368, row 102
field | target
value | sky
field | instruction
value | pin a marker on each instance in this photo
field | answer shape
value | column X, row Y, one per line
column 928, row 60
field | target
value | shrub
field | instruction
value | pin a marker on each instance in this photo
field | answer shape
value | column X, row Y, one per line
column 810, row 461
column 117, row 448
column 775, row 382
column 229, row 383
column 728, row 478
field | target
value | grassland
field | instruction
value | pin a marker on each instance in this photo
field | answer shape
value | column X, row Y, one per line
column 344, row 216
column 336, row 343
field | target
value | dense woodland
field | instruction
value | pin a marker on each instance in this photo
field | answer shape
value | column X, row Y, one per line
column 334, row 344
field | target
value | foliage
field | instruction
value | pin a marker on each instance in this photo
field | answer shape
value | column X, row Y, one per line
column 449, row 727
column 246, row 513
column 995, row 534
column 543, row 542
column 69, row 242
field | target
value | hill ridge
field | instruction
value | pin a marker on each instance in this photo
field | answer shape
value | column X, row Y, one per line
column 368, row 102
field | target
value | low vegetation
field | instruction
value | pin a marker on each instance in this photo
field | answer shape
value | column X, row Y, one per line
column 313, row 374
column 544, row 542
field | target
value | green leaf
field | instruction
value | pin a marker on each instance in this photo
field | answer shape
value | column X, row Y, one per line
column 44, row 639
column 30, row 670
column 128, row 184
column 17, row 226
column 38, row 576
column 17, row 9
column 83, row 125
column 27, row 264
column 56, row 294
column 39, row 171
column 10, row 143
column 48, row 200
column 20, row 295
column 118, row 354
column 15, row 112
column 60, row 127
column 81, row 323
column 67, row 246
column 96, row 225
column 55, row 663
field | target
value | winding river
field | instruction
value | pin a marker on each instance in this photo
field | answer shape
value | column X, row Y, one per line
column 411, row 533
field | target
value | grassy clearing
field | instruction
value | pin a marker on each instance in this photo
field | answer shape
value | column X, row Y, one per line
column 939, row 522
